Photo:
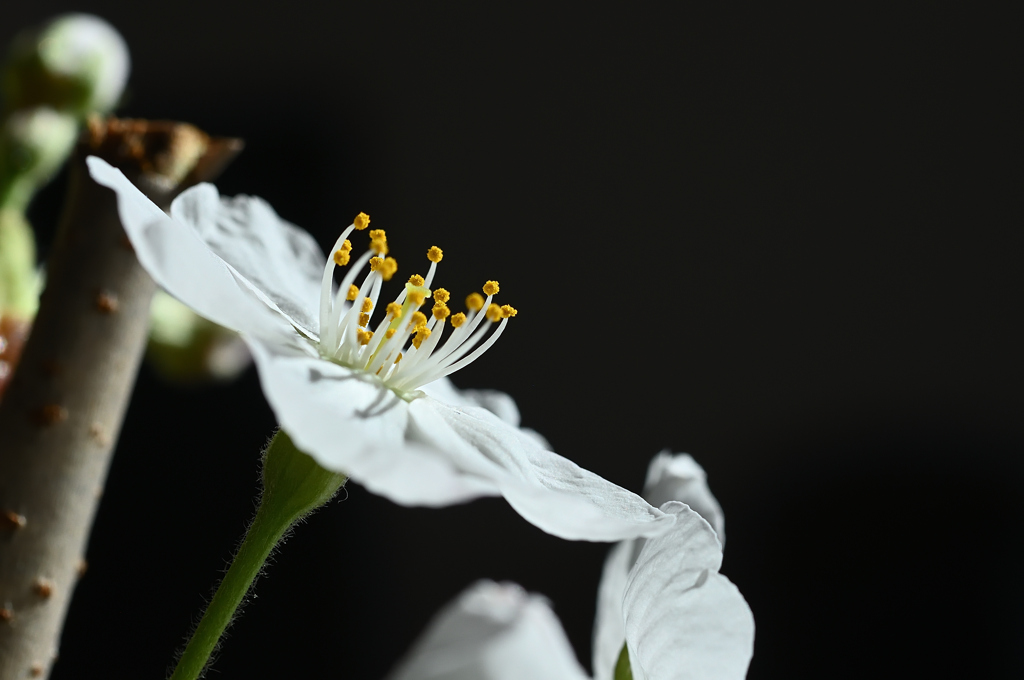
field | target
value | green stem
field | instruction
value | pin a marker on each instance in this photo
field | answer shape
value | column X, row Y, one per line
column 293, row 486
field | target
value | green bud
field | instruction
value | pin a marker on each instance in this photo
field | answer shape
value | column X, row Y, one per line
column 76, row 63
column 294, row 484
column 186, row 348
column 34, row 143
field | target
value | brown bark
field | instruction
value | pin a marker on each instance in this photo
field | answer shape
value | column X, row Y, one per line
column 62, row 412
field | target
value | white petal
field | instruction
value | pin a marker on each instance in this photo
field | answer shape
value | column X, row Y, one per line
column 281, row 261
column 351, row 423
column 679, row 478
column 684, row 620
column 549, row 491
column 183, row 265
column 492, row 631
column 609, row 630
column 498, row 403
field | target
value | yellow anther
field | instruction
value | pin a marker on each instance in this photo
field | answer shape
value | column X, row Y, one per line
column 341, row 257
column 390, row 333
column 398, row 358
column 362, row 221
column 376, row 263
column 493, row 312
column 364, row 319
column 491, row 288
column 364, row 337
column 416, row 280
column 393, row 309
column 346, row 245
column 367, row 305
column 417, row 296
column 378, row 234
column 422, row 333
column 418, row 319
column 440, row 311
column 474, row 302
column 458, row 320
column 435, row 254
column 353, row 293
column 508, row 311
column 389, row 268
column 379, row 246
column 442, row 296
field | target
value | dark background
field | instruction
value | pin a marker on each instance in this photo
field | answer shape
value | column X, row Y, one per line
column 788, row 242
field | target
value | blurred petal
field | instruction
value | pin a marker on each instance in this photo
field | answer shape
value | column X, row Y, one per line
column 183, row 265
column 282, row 262
column 351, row 423
column 684, row 620
column 492, row 631
column 549, row 491
column 679, row 478
column 609, row 631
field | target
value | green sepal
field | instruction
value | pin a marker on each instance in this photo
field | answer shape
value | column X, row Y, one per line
column 623, row 671
column 294, row 484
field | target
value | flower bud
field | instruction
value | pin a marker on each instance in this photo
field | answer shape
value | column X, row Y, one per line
column 76, row 63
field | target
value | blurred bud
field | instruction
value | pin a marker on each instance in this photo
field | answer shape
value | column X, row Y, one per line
column 77, row 63
column 19, row 278
column 186, row 348
column 34, row 143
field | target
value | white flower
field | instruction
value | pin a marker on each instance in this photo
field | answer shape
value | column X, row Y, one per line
column 679, row 618
column 338, row 381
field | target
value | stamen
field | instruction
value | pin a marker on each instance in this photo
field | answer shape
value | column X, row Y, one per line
column 364, row 319
column 442, row 296
column 491, row 288
column 508, row 311
column 389, row 268
column 418, row 319
column 435, row 254
column 458, row 320
column 416, row 280
column 440, row 311
column 494, row 313
column 422, row 333
column 364, row 337
column 362, row 221
column 368, row 305
column 353, row 293
column 393, row 309
column 341, row 257
column 474, row 302
column 376, row 263
column 390, row 333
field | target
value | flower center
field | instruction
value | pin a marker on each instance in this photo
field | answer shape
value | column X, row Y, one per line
column 403, row 347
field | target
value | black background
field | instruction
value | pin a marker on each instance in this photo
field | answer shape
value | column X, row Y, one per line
column 788, row 242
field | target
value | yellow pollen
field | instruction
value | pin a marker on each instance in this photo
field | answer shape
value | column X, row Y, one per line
column 418, row 319
column 362, row 221
column 493, row 312
column 393, row 309
column 389, row 268
column 353, row 293
column 442, row 296
column 346, row 245
column 435, row 254
column 491, row 288
column 417, row 297
column 416, row 280
column 364, row 319
column 398, row 358
column 367, row 305
column 508, row 311
column 376, row 263
column 422, row 333
column 458, row 320
column 441, row 311
column 341, row 257
column 378, row 234
column 390, row 333
column 474, row 302
column 364, row 337
column 379, row 246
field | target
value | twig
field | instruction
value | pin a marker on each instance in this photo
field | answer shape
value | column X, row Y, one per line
column 63, row 410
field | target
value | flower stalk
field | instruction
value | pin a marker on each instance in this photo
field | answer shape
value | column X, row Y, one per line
column 294, row 485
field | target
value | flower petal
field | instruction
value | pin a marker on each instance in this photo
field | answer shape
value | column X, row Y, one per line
column 351, row 423
column 492, row 631
column 680, row 478
column 684, row 620
column 183, row 265
column 609, row 630
column 498, row 403
column 282, row 262
column 548, row 490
